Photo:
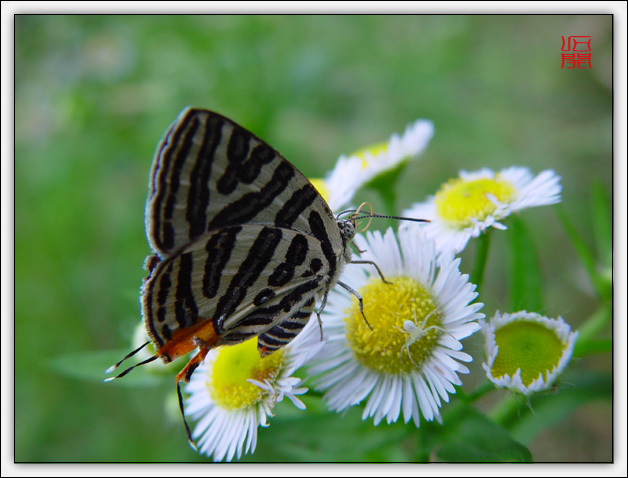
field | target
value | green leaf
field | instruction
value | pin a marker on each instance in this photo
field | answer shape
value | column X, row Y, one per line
column 602, row 283
column 317, row 435
column 582, row 349
column 602, row 222
column 589, row 330
column 91, row 366
column 603, row 233
column 470, row 437
column 525, row 273
column 553, row 407
column 481, row 257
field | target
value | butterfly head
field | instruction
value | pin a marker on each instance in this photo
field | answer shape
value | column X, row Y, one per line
column 347, row 229
column 348, row 226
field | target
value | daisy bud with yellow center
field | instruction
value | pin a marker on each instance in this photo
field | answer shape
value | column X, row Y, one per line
column 526, row 351
column 407, row 357
column 355, row 170
column 339, row 186
column 385, row 156
column 468, row 205
column 235, row 390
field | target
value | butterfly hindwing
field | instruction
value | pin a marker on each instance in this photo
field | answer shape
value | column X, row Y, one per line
column 209, row 173
column 232, row 284
column 286, row 330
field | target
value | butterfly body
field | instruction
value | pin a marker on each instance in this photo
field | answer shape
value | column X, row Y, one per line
column 244, row 244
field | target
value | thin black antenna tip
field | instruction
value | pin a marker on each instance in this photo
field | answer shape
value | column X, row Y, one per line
column 129, row 355
column 400, row 218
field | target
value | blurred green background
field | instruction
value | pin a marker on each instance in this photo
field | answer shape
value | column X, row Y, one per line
column 94, row 94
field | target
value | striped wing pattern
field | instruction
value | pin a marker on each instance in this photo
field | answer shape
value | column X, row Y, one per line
column 246, row 279
column 210, row 173
column 244, row 243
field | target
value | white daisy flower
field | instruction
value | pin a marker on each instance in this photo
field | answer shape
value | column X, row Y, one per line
column 386, row 156
column 353, row 171
column 341, row 183
column 234, row 391
column 468, row 205
column 408, row 362
column 526, row 351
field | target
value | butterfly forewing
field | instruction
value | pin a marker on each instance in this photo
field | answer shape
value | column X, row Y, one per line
column 209, row 173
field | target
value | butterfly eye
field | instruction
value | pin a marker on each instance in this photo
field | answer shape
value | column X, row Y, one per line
column 347, row 229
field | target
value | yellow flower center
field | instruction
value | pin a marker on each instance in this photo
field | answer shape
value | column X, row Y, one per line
column 527, row 345
column 459, row 201
column 373, row 150
column 405, row 325
column 228, row 386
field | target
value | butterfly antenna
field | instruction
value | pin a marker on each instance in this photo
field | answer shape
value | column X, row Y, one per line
column 129, row 355
column 185, row 422
column 413, row 219
column 344, row 212
column 149, row 360
column 355, row 215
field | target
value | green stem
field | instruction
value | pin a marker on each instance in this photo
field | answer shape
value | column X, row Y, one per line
column 384, row 184
column 481, row 256
column 503, row 412
column 389, row 198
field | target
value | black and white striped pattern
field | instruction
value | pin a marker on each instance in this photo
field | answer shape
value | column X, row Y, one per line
column 244, row 243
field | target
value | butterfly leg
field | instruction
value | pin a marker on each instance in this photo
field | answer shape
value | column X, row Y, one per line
column 319, row 311
column 185, row 422
column 360, row 301
column 376, row 267
column 185, row 375
column 192, row 365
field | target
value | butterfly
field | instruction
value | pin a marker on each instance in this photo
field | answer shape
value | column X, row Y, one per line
column 244, row 245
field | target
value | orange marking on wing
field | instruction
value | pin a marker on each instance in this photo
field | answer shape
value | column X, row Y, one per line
column 186, row 339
